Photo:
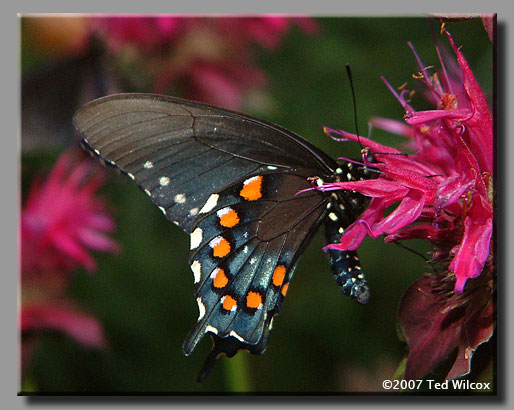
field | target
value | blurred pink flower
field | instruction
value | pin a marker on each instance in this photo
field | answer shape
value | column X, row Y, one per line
column 217, row 83
column 210, row 59
column 267, row 30
column 151, row 32
column 63, row 219
column 444, row 191
column 46, row 307
column 146, row 33
column 64, row 317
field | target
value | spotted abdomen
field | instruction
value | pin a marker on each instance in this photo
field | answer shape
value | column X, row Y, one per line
column 345, row 265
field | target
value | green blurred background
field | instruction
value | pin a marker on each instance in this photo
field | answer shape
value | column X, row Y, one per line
column 321, row 341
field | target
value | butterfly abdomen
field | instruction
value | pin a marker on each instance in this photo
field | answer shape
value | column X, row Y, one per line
column 342, row 210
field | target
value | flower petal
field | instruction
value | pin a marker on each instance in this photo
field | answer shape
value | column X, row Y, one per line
column 356, row 232
column 393, row 126
column 421, row 117
column 451, row 190
column 375, row 188
column 481, row 121
column 474, row 248
column 97, row 241
column 69, row 246
column 406, row 213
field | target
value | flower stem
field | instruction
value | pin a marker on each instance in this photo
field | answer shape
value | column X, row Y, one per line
column 237, row 374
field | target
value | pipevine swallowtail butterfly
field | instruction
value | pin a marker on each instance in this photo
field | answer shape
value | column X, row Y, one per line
column 232, row 183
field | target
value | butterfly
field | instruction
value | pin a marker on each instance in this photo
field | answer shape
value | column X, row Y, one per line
column 241, row 188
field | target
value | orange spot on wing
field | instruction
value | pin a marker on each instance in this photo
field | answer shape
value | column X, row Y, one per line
column 278, row 275
column 253, row 300
column 220, row 280
column 221, row 249
column 284, row 289
column 229, row 219
column 229, row 302
column 252, row 190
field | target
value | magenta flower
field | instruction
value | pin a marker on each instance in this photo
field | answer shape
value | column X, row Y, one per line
column 46, row 307
column 208, row 59
column 221, row 84
column 65, row 317
column 443, row 192
column 63, row 219
column 267, row 30
column 148, row 34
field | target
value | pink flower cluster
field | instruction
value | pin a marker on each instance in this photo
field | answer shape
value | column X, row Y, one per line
column 204, row 58
column 61, row 220
column 150, row 33
column 444, row 191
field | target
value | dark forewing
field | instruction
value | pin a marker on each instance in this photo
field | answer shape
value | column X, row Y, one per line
column 180, row 152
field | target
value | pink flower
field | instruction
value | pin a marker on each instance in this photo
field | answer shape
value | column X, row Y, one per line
column 64, row 317
column 148, row 34
column 443, row 192
column 210, row 59
column 222, row 84
column 152, row 32
column 46, row 307
column 62, row 220
column 217, row 83
column 267, row 30
column 435, row 321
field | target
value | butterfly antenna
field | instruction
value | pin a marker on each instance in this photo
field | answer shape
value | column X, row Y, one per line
column 349, row 73
column 366, row 154
column 365, row 151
